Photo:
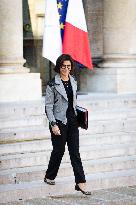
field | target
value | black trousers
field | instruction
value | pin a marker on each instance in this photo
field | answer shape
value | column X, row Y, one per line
column 69, row 135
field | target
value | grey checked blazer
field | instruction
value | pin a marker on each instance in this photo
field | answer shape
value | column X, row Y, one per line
column 56, row 101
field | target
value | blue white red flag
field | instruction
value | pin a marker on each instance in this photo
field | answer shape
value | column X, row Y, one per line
column 65, row 31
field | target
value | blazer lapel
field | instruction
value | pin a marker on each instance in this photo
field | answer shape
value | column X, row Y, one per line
column 59, row 86
column 74, row 87
column 73, row 84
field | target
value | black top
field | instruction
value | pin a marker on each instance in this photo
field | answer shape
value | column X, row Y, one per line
column 69, row 91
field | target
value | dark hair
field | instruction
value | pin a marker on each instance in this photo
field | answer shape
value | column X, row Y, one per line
column 61, row 59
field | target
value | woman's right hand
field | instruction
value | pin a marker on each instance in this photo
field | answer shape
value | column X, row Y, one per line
column 56, row 130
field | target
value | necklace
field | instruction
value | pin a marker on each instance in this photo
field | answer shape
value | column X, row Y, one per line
column 66, row 83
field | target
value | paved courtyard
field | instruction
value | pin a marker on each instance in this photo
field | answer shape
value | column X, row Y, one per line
column 116, row 196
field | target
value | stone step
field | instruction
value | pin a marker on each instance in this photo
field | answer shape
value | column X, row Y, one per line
column 19, row 134
column 116, row 125
column 65, row 185
column 104, row 101
column 87, row 153
column 111, row 114
column 85, row 139
column 18, row 175
column 23, row 121
column 112, row 121
column 13, row 109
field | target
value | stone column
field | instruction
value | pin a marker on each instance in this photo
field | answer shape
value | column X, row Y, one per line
column 117, row 73
column 119, row 34
column 11, row 37
column 16, row 83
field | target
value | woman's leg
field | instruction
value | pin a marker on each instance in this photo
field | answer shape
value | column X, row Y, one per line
column 58, row 143
column 73, row 147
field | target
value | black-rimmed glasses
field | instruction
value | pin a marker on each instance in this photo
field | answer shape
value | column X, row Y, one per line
column 66, row 66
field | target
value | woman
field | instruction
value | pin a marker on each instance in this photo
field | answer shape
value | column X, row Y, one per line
column 60, row 103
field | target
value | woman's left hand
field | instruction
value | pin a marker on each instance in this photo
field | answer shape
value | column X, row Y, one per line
column 56, row 130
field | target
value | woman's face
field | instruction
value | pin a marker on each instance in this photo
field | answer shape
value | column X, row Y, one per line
column 65, row 68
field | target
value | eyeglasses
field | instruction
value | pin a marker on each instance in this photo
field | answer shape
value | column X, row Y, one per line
column 66, row 66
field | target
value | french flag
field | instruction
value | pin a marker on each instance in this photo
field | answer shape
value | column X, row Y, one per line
column 66, row 31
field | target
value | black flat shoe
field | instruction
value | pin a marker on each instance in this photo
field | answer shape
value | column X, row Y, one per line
column 77, row 188
column 49, row 181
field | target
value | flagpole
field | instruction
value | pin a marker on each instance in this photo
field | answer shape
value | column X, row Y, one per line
column 50, row 71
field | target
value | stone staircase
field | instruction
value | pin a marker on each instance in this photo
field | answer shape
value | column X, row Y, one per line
column 108, row 150
column 22, row 121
